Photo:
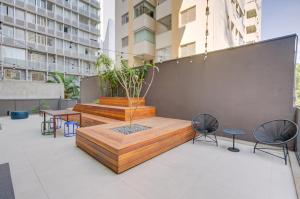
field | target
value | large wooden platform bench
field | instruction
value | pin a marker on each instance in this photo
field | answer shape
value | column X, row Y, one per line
column 116, row 112
column 120, row 152
column 91, row 120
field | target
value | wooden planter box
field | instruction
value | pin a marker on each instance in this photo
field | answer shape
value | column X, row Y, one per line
column 121, row 101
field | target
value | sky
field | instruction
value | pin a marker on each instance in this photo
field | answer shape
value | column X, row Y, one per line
column 279, row 18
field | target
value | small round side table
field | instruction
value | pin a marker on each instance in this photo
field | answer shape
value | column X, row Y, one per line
column 233, row 132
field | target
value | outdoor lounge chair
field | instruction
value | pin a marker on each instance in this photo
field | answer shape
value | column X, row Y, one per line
column 205, row 126
column 276, row 133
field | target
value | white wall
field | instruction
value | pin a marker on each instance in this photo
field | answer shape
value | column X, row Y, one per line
column 10, row 89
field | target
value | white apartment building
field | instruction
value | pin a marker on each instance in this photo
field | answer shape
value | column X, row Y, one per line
column 38, row 37
column 149, row 30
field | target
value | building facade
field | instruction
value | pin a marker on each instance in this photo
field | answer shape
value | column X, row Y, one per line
column 155, row 31
column 39, row 37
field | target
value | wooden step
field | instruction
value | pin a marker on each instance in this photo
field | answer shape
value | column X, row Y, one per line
column 116, row 112
column 121, row 101
column 90, row 120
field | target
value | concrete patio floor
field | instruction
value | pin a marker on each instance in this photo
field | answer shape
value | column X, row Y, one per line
column 43, row 167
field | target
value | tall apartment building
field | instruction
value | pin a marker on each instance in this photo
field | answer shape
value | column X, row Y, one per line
column 38, row 37
column 149, row 30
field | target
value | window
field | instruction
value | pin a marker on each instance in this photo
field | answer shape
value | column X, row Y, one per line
column 50, row 6
column 83, row 20
column 37, row 57
column 20, row 14
column 59, row 27
column 74, row 17
column 50, row 41
column 67, row 14
column 93, row 10
column 251, row 13
column 37, row 76
column 67, row 29
column 188, row 49
column 13, row 53
column 59, row 10
column 83, row 34
column 188, row 15
column 74, row 31
column 124, row 41
column 8, row 31
column 41, row 21
column 30, row 18
column 20, row 34
column 32, row 2
column 41, row 39
column 12, row 74
column 144, row 8
column 59, row 44
column 251, row 29
column 83, row 6
column 7, row 10
column 31, row 37
column 41, row 4
column 125, row 18
column 51, row 24
column 144, row 35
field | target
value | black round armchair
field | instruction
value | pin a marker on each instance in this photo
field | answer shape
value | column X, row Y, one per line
column 275, row 133
column 205, row 126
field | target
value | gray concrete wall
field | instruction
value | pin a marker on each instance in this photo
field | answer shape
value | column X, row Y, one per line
column 12, row 89
column 89, row 89
column 242, row 87
column 29, row 104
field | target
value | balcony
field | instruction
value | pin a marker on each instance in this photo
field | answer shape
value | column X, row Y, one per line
column 60, row 2
column 8, row 40
column 95, row 16
column 67, row 53
column 144, row 21
column 95, row 30
column 50, row 14
column 50, row 31
column 59, row 33
column 59, row 17
column 84, row 26
column 19, row 43
column 35, row 65
column 84, row 12
column 67, row 21
column 74, row 38
column 145, row 49
column 41, row 11
column 41, row 29
column 74, row 7
column 14, row 63
column 95, row 3
column 51, row 49
column 31, row 7
column 41, row 47
column 163, row 8
column 95, row 44
column 20, row 3
column 31, row 26
column 75, row 23
column 67, row 36
column 20, row 22
column 84, row 41
column 67, row 4
column 51, row 67
column 7, row 19
column 163, row 39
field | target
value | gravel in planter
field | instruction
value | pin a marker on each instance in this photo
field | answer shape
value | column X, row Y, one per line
column 127, row 130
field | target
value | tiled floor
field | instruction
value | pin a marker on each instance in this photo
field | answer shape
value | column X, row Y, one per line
column 44, row 167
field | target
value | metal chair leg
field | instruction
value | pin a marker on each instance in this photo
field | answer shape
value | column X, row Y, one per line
column 255, row 147
column 216, row 140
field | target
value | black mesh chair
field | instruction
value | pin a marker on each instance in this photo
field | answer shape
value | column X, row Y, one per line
column 205, row 126
column 275, row 133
